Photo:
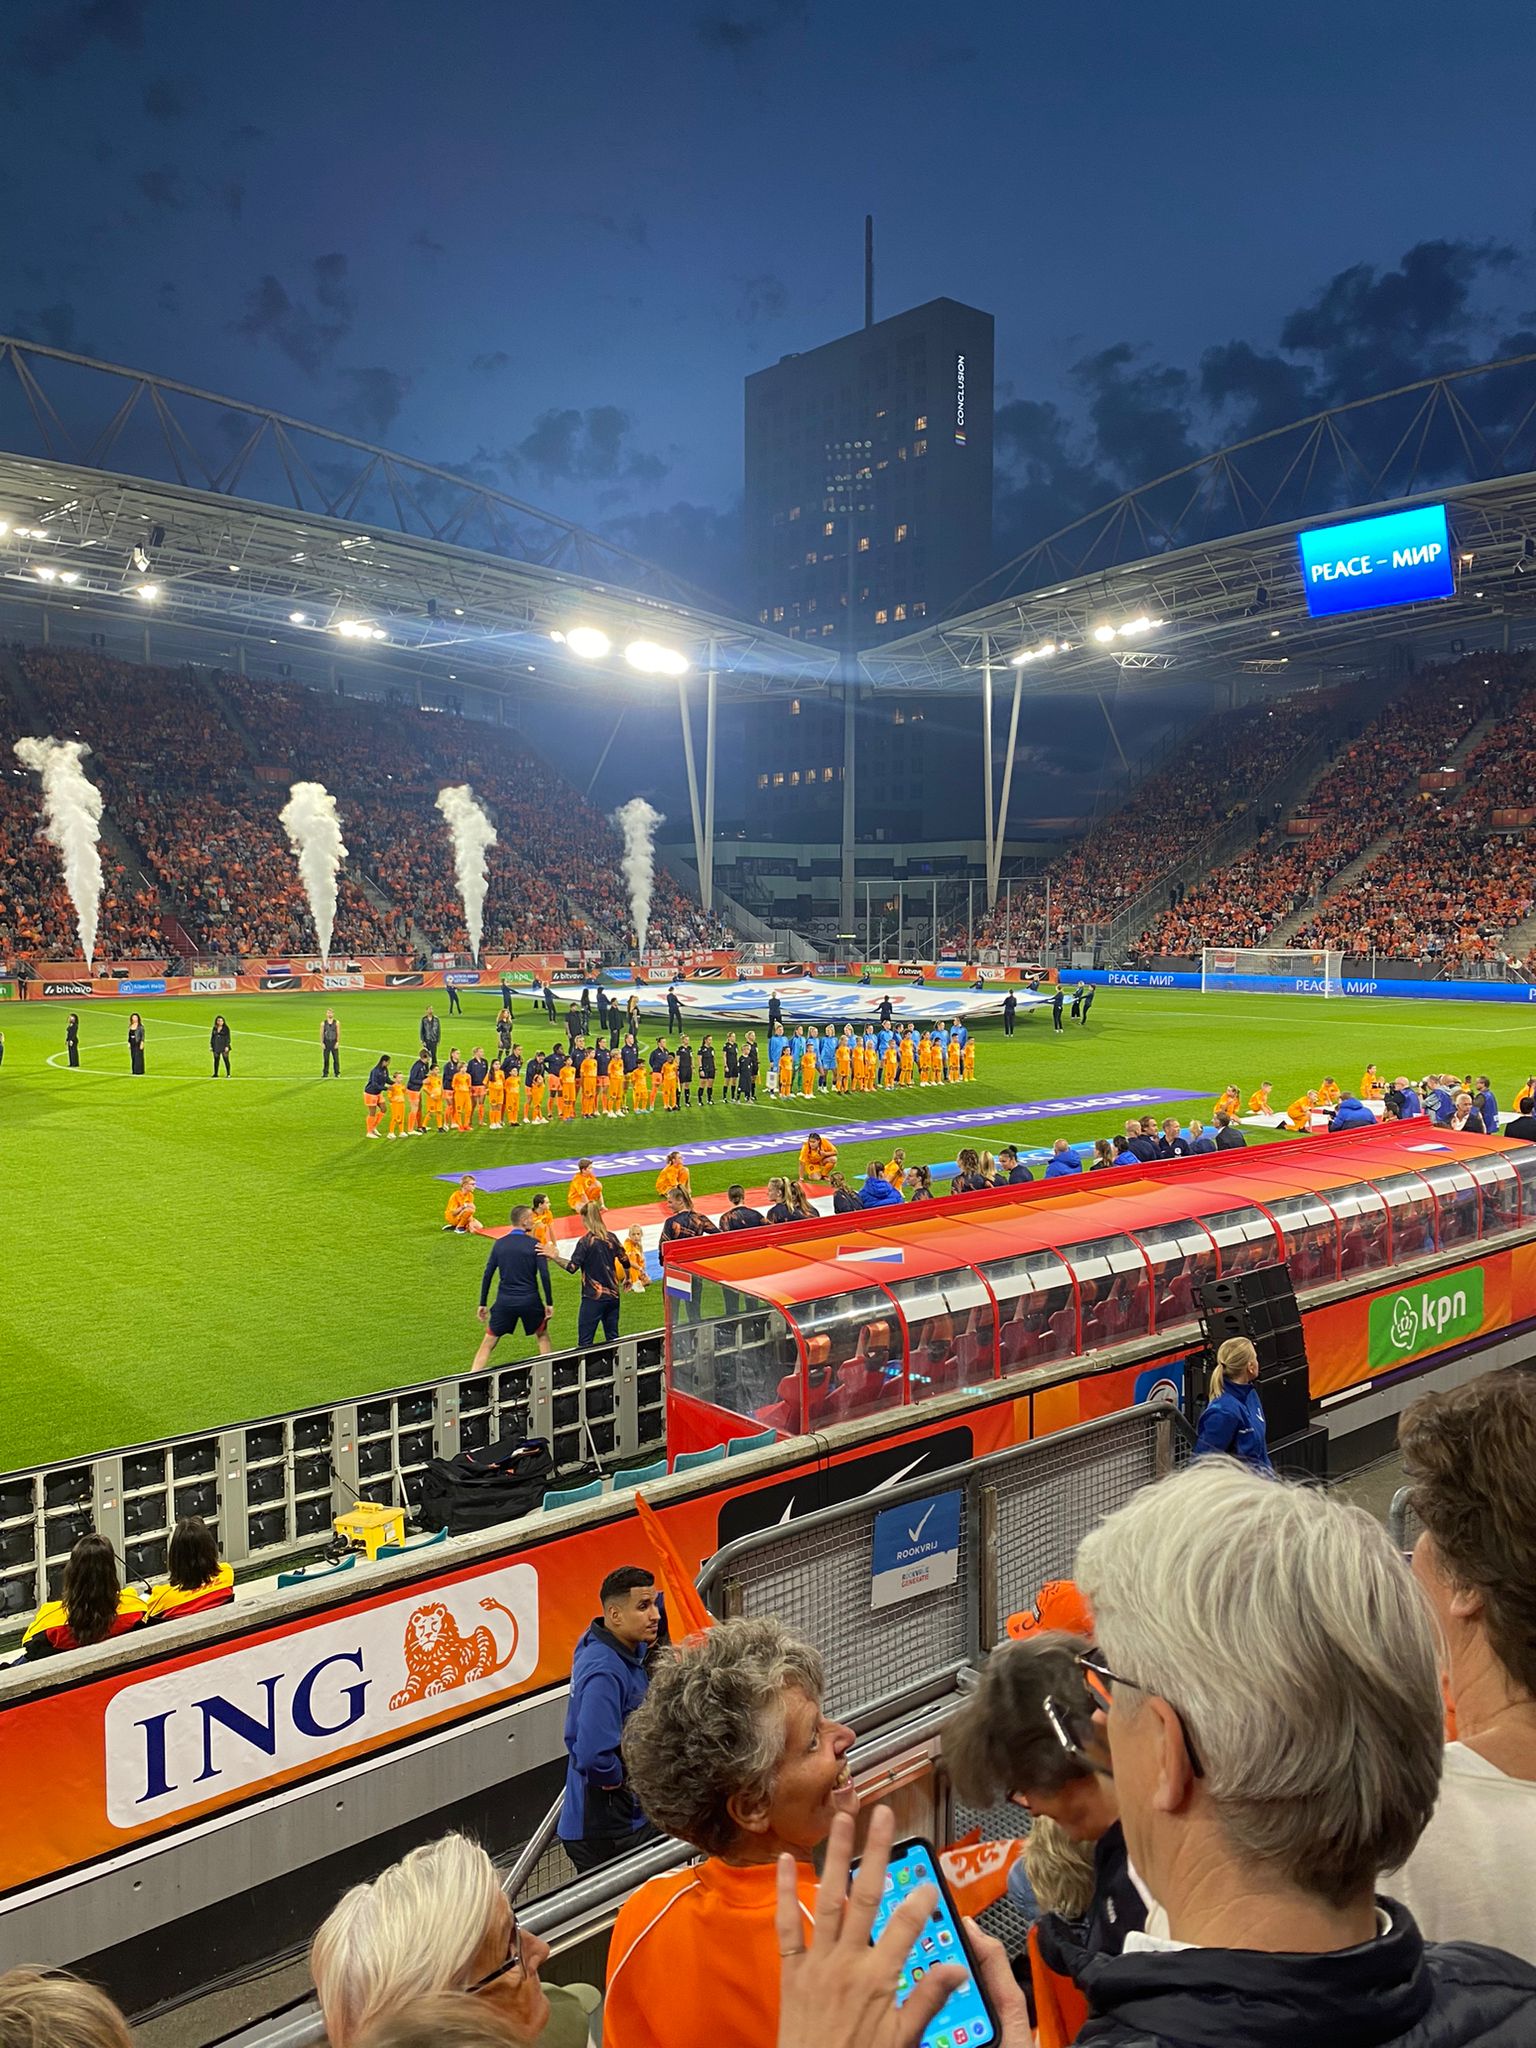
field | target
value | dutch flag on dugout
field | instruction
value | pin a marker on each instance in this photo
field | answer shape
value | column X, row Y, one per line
column 680, row 1285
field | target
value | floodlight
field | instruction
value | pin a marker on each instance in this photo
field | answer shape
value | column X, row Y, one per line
column 1024, row 654
column 1046, row 647
column 45, row 575
column 1103, row 634
column 590, row 642
column 379, row 633
column 69, row 575
column 298, row 618
column 147, row 591
column 652, row 659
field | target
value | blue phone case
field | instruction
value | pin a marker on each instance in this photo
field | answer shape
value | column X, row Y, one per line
column 966, row 2018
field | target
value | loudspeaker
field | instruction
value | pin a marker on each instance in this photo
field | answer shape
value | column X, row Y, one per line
column 1304, row 1456
column 1261, row 1305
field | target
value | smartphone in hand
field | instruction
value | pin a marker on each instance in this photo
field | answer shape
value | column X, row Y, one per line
column 966, row 2018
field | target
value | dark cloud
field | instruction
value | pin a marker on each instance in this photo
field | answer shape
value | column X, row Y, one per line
column 1368, row 330
column 763, row 297
column 584, row 447
column 308, row 330
column 65, row 34
column 374, row 398
column 164, row 186
column 424, row 245
column 55, row 325
column 702, row 543
column 172, row 99
column 492, row 364
column 734, row 35
column 629, row 227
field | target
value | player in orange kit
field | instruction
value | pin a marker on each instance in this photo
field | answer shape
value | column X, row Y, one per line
column 674, row 1174
column 397, row 1106
column 432, row 1099
column 567, row 1091
column 615, row 1084
column 808, row 1071
column 495, row 1096
column 640, row 1088
column 1230, row 1099
column 786, row 1072
column 462, row 1099
column 588, row 1078
column 541, row 1225
column 460, row 1212
column 634, row 1254
column 968, row 1058
column 585, row 1187
column 1258, row 1101
column 952, row 1058
column 925, row 1060
column 669, row 1079
column 817, row 1159
column 842, row 1064
column 1329, row 1096
column 907, row 1063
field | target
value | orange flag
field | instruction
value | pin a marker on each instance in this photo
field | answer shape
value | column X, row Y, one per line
column 978, row 1872
column 686, row 1613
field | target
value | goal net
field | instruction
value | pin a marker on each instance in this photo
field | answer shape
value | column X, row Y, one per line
column 1270, row 970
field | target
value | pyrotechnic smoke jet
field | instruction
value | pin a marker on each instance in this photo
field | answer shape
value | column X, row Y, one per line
column 473, row 836
column 72, row 823
column 637, row 820
column 314, row 831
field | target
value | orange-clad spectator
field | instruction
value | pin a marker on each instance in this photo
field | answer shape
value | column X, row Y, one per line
column 896, row 1168
column 1230, row 1099
column 1329, row 1095
column 674, row 1174
column 731, row 1751
column 92, row 1606
column 1372, row 1087
column 634, row 1258
column 818, row 1156
column 1258, row 1101
column 196, row 1577
column 585, row 1187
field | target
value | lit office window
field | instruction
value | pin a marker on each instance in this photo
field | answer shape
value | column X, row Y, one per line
column 762, row 782
column 794, row 778
column 882, row 617
column 826, row 774
column 828, row 527
column 901, row 611
column 778, row 613
column 778, row 779
column 919, row 609
column 863, row 543
column 901, row 531
column 919, row 447
column 920, row 423
column 794, row 707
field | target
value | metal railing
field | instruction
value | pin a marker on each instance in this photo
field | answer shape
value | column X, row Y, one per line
column 271, row 1488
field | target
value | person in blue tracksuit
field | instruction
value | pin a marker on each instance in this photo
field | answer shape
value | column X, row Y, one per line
column 1233, row 1424
column 875, row 1191
column 1063, row 1160
column 600, row 1818
column 1351, row 1115
column 826, row 1057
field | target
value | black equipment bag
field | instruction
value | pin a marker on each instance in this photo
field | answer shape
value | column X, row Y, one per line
column 478, row 1489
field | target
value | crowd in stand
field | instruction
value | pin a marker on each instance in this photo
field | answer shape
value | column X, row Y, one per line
column 1443, row 885
column 195, row 772
column 1276, row 1785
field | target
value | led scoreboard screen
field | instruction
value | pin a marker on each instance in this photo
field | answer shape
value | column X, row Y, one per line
column 1400, row 558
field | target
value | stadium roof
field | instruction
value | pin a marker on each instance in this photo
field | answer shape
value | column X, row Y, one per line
column 1228, row 607
column 131, row 495
column 1208, row 551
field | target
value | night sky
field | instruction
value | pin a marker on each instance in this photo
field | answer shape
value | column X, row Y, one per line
column 547, row 243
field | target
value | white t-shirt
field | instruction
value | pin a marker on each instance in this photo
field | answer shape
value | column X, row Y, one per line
column 1473, row 1875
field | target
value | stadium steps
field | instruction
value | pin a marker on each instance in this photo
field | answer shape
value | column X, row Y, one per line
column 226, row 710
column 1347, row 876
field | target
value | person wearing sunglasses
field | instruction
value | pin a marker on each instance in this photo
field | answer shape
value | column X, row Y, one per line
column 438, row 1920
column 1268, row 1690
column 1027, row 1734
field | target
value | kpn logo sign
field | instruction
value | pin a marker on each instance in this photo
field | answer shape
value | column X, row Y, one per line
column 1426, row 1318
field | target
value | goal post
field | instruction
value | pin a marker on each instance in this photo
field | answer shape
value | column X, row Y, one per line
column 1271, row 970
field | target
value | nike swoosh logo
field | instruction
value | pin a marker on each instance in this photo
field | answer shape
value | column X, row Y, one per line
column 914, row 1534
column 787, row 1512
column 885, row 1485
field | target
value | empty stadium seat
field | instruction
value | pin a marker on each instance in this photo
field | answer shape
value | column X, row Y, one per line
column 642, row 1475
column 424, row 1541
column 738, row 1446
column 567, row 1497
column 690, row 1461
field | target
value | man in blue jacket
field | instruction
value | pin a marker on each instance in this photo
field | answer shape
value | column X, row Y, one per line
column 1351, row 1115
column 600, row 1817
column 1063, row 1160
column 876, row 1191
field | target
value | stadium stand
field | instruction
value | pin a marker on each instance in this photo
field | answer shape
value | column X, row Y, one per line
column 195, row 769
column 1363, row 797
column 1209, row 781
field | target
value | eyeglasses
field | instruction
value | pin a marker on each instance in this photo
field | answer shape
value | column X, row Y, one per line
column 1066, row 1724
column 1099, row 1680
column 513, row 1962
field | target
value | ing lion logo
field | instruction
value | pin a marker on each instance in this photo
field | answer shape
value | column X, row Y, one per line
column 438, row 1659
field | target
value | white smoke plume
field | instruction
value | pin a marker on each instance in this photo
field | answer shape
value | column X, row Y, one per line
column 314, row 831
column 72, row 823
column 637, row 820
column 473, row 837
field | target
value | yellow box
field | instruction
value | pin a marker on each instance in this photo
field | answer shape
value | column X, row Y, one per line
column 372, row 1526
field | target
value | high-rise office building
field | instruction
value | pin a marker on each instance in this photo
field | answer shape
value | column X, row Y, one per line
column 887, row 431
column 868, row 483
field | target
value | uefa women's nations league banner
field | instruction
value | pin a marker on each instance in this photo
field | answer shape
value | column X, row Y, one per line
column 819, row 1002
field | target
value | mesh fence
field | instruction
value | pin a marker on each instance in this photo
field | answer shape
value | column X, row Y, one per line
column 1003, row 1920
column 818, row 1581
column 1049, row 1499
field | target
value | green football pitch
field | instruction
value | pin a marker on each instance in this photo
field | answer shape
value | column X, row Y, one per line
column 179, row 1252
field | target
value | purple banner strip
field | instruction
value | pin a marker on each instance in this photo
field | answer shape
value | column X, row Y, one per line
column 534, row 1173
